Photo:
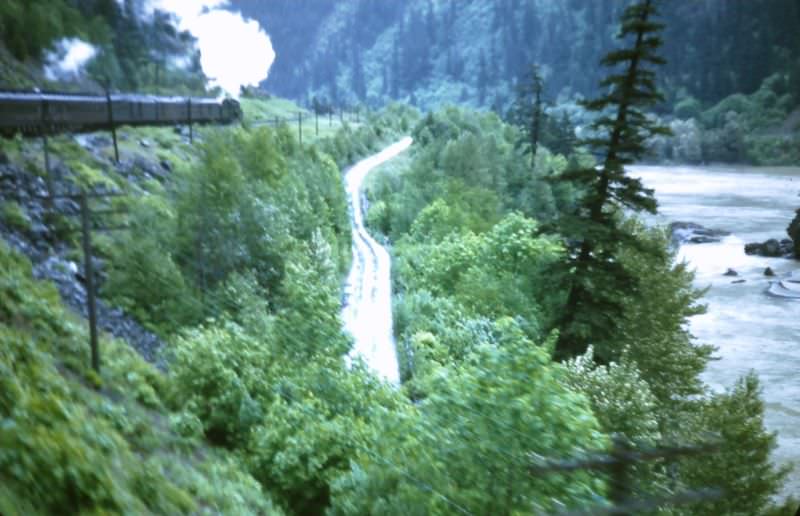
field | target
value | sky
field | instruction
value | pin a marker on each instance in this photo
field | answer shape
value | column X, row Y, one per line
column 234, row 51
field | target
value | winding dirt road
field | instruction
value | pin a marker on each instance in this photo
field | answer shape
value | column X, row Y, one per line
column 367, row 311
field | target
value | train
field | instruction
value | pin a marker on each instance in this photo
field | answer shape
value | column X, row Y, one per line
column 32, row 113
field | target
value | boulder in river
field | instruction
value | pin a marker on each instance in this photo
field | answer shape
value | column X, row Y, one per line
column 692, row 233
column 731, row 272
column 769, row 272
column 772, row 248
column 794, row 233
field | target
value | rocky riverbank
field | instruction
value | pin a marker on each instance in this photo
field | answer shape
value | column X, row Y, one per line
column 693, row 233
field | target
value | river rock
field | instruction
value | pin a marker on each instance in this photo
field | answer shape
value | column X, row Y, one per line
column 738, row 281
column 772, row 248
column 794, row 233
column 731, row 272
column 769, row 272
column 692, row 233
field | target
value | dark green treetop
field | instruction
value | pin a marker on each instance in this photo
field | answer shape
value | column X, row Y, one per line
column 528, row 110
column 596, row 278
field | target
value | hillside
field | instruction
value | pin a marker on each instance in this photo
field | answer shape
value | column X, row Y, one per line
column 472, row 52
column 87, row 45
column 130, row 439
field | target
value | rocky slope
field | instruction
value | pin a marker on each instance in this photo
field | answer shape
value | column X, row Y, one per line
column 47, row 232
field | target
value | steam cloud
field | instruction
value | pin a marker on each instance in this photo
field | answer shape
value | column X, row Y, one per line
column 68, row 58
column 234, row 51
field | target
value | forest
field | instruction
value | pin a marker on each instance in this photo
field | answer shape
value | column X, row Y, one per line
column 539, row 313
column 474, row 51
column 722, row 56
column 132, row 53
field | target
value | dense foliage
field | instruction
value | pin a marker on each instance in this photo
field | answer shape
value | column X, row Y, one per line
column 133, row 52
column 760, row 128
column 73, row 441
column 472, row 264
column 473, row 51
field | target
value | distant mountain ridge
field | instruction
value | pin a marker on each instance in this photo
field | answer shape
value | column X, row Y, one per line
column 472, row 51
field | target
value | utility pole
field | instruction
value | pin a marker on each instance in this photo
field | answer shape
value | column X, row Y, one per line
column 300, row 126
column 88, row 273
column 109, row 108
column 191, row 130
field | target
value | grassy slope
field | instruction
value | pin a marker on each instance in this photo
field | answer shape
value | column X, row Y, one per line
column 259, row 111
column 72, row 440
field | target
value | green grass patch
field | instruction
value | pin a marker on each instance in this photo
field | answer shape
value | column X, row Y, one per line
column 267, row 111
column 14, row 216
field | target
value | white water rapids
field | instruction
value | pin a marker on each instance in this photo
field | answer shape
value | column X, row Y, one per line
column 367, row 311
column 753, row 331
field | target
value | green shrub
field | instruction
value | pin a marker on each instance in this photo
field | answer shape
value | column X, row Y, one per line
column 53, row 452
column 66, row 448
column 15, row 217
column 687, row 108
column 219, row 375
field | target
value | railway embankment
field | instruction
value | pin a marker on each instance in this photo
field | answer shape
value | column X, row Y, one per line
column 28, row 223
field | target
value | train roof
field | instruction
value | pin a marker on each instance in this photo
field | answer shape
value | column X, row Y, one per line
column 18, row 96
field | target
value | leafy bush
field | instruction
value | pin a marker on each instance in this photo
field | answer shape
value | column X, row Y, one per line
column 742, row 467
column 66, row 447
column 467, row 446
column 218, row 375
column 688, row 107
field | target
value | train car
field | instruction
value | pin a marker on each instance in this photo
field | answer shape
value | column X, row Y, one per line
column 72, row 112
column 19, row 113
column 33, row 113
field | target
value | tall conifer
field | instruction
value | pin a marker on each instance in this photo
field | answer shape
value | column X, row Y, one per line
column 596, row 279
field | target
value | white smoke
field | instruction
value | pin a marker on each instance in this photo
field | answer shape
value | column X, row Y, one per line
column 67, row 59
column 234, row 51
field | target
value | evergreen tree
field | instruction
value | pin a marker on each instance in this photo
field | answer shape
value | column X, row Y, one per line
column 528, row 111
column 559, row 134
column 596, row 278
column 483, row 78
column 357, row 77
column 742, row 467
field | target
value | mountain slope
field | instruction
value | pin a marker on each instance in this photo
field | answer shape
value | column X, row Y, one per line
column 472, row 51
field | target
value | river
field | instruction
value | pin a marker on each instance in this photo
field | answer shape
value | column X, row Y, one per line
column 367, row 311
column 753, row 331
